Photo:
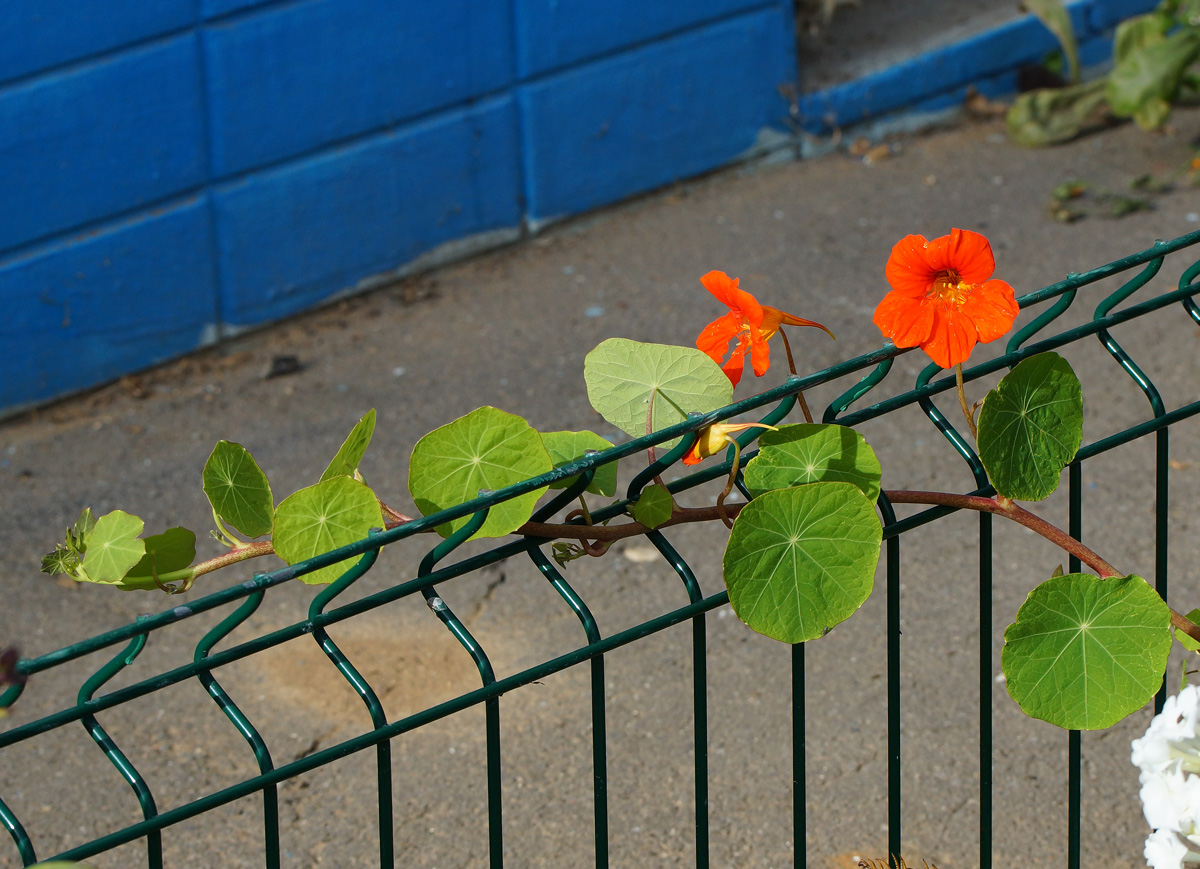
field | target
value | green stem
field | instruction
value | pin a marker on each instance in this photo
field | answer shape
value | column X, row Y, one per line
column 962, row 402
column 808, row 417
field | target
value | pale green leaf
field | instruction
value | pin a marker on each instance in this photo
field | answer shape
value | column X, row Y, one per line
column 486, row 449
column 238, row 489
column 1152, row 73
column 810, row 453
column 654, row 507
column 174, row 549
column 1046, row 117
column 1054, row 15
column 1086, row 652
column 1031, row 426
column 346, row 462
column 622, row 376
column 1186, row 641
column 565, row 447
column 800, row 561
column 313, row 521
column 113, row 548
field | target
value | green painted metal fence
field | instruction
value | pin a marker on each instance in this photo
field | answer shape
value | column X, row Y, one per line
column 860, row 376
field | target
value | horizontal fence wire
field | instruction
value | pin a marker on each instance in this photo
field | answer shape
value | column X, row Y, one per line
column 774, row 405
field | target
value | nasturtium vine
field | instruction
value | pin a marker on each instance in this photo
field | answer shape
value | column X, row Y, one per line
column 1085, row 652
column 345, row 463
column 113, row 547
column 624, row 377
column 487, row 449
column 803, row 551
column 800, row 561
column 1031, row 426
column 173, row 550
column 811, row 453
column 322, row 517
column 654, row 506
column 565, row 447
column 238, row 489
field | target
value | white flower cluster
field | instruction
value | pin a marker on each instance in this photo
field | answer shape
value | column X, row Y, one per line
column 1169, row 759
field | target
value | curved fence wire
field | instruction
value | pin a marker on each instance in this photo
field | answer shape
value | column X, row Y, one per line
column 861, row 375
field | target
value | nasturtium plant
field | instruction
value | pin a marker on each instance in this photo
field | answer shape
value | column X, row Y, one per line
column 654, row 506
column 322, row 517
column 800, row 561
column 624, row 377
column 565, row 447
column 810, row 453
column 486, row 449
column 1085, row 652
column 238, row 489
column 345, row 463
column 173, row 550
column 1031, row 426
column 113, row 547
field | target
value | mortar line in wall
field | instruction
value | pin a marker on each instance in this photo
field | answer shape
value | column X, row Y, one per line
column 82, row 62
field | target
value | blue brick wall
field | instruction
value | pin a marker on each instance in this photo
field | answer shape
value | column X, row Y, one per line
column 177, row 169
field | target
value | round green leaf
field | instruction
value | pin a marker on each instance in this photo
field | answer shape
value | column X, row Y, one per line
column 567, row 446
column 804, row 453
column 346, row 462
column 486, row 449
column 315, row 520
column 1031, row 426
column 654, row 507
column 174, row 549
column 113, row 548
column 802, row 560
column 238, row 489
column 1085, row 652
column 622, row 375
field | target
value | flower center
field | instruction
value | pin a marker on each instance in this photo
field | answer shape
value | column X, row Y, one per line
column 949, row 288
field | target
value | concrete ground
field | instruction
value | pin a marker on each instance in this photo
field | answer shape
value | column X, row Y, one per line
column 510, row 329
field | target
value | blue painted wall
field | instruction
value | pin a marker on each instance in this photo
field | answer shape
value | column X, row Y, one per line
column 177, row 169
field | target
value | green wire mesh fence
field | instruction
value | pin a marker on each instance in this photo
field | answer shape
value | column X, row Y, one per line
column 860, row 379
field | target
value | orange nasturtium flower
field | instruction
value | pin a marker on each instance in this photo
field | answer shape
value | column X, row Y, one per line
column 943, row 299
column 717, row 437
column 749, row 322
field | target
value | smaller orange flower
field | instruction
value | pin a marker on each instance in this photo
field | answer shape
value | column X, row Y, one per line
column 943, row 299
column 717, row 437
column 749, row 322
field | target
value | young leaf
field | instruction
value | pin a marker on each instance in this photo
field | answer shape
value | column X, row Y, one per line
column 77, row 536
column 654, row 507
column 170, row 551
column 804, row 453
column 238, row 489
column 567, row 446
column 315, row 520
column 346, row 462
column 1085, row 652
column 61, row 560
column 1186, row 641
column 802, row 560
column 1046, row 117
column 1054, row 15
column 622, row 375
column 1152, row 72
column 486, row 449
column 1031, row 426
column 113, row 548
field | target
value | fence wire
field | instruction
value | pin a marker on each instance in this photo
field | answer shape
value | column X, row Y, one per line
column 328, row 608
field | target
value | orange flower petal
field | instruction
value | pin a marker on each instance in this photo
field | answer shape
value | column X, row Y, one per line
column 908, row 268
column 733, row 368
column 964, row 251
column 715, row 338
column 760, row 356
column 992, row 307
column 726, row 290
column 907, row 321
column 951, row 339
